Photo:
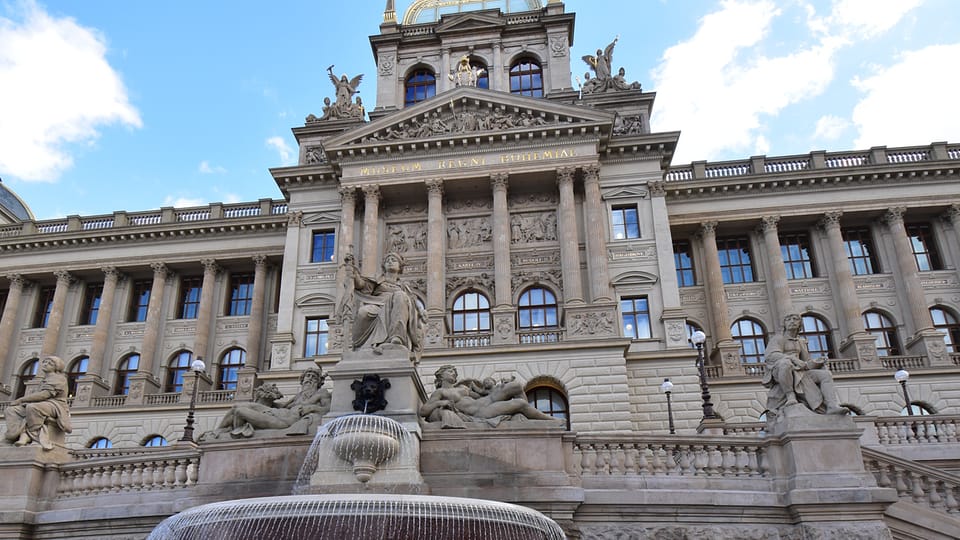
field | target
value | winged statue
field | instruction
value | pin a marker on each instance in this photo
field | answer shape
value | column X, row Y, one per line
column 602, row 63
column 343, row 107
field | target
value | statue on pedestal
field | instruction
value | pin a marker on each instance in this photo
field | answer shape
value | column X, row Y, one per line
column 465, row 74
column 456, row 404
column 604, row 79
column 32, row 417
column 344, row 107
column 795, row 378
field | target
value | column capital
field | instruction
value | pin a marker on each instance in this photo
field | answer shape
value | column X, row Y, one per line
column 348, row 194
column 708, row 228
column 894, row 215
column 210, row 265
column 110, row 273
column 768, row 223
column 831, row 219
column 260, row 259
column 17, row 281
column 591, row 173
column 952, row 215
column 658, row 188
column 434, row 187
column 295, row 218
column 499, row 181
column 159, row 269
column 371, row 192
column 565, row 175
column 63, row 277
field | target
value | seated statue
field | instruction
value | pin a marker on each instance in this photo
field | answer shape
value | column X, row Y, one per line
column 455, row 404
column 295, row 416
column 383, row 311
column 31, row 417
column 793, row 377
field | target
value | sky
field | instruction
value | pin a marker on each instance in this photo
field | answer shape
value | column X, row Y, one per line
column 116, row 105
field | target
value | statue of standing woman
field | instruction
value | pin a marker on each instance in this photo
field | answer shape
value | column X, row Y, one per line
column 31, row 418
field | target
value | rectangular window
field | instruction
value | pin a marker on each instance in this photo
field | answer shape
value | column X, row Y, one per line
column 735, row 262
column 315, row 338
column 323, row 244
column 859, row 247
column 139, row 301
column 636, row 317
column 795, row 248
column 683, row 260
column 626, row 222
column 924, row 249
column 91, row 304
column 44, row 306
column 241, row 294
column 190, row 289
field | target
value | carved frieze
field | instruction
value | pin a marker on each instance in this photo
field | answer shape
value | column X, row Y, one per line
column 465, row 263
column 535, row 257
column 406, row 210
column 414, row 267
column 692, row 297
column 31, row 337
column 468, row 205
column 745, row 291
column 180, row 328
column 233, row 325
column 481, row 281
column 131, row 331
column 628, row 125
column 305, row 277
column 590, row 323
column 522, row 277
column 462, row 120
column 406, row 237
column 643, row 252
column 468, row 233
column 558, row 46
column 873, row 283
column 533, row 200
column 533, row 227
column 79, row 333
column 314, row 154
column 940, row 281
column 810, row 288
column 385, row 64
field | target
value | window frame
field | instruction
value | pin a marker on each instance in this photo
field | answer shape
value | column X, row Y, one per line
column 41, row 316
column 636, row 314
column 188, row 305
column 620, row 222
column 327, row 243
column 686, row 273
column 121, row 383
column 527, row 68
column 864, row 262
column 820, row 334
column 923, row 245
column 949, row 327
column 797, row 255
column 155, row 441
column 887, row 335
column 525, row 305
column 316, row 340
column 533, row 398
column 237, row 305
column 28, row 372
column 461, row 313
column 754, row 357
column 228, row 372
column 730, row 268
column 177, row 368
column 140, row 292
column 417, row 79
column 77, row 369
column 92, row 296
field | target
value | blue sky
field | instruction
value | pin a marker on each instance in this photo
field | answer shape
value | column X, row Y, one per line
column 115, row 105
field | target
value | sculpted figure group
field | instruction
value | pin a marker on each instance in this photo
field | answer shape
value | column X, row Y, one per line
column 33, row 417
column 604, row 80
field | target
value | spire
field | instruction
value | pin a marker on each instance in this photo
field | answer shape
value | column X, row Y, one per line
column 389, row 14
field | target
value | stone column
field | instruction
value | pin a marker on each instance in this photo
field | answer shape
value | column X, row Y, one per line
column 255, row 322
column 8, row 323
column 952, row 216
column 858, row 343
column 569, row 244
column 778, row 273
column 371, row 240
column 443, row 83
column 51, row 337
column 501, row 240
column 674, row 317
column 151, row 327
column 348, row 208
column 101, row 331
column 926, row 340
column 596, row 236
column 725, row 348
column 495, row 72
column 435, row 248
column 205, row 309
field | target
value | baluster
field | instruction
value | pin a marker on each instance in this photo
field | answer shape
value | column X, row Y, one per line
column 193, row 471
column 701, row 460
column 136, row 476
column 743, row 461
column 882, row 436
column 934, row 494
column 603, row 459
column 901, row 485
column 578, row 459
column 752, row 461
column 950, row 430
column 67, row 479
column 657, row 462
column 951, row 500
column 96, row 483
column 125, row 477
column 589, row 459
column 616, row 466
column 917, row 487
column 115, row 476
column 683, row 459
column 883, row 478
column 158, row 474
column 146, row 476
column 643, row 466
column 729, row 465
column 714, row 460
column 180, row 473
column 169, row 480
column 630, row 459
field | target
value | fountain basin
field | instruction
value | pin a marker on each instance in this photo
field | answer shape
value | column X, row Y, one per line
column 365, row 442
column 358, row 517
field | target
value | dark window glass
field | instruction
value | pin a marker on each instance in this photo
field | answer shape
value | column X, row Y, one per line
column 44, row 306
column 526, row 78
column 127, row 368
column 100, row 443
column 190, row 290
column 241, row 294
column 178, row 367
column 859, row 247
column 155, row 441
column 882, row 329
column 230, row 364
column 683, row 260
column 27, row 373
column 919, row 409
column 323, row 244
column 471, row 313
column 77, row 369
column 924, row 248
column 797, row 260
column 538, row 309
column 626, row 222
column 315, row 338
column 420, row 85
column 636, row 317
column 946, row 322
column 551, row 401
column 752, row 339
column 91, row 304
column 140, row 301
column 817, row 333
column 735, row 263
column 691, row 328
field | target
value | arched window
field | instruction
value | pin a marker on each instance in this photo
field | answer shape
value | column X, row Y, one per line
column 878, row 325
column 817, row 333
column 946, row 322
column 691, row 328
column 176, row 369
column 918, row 409
column 155, row 441
column 854, row 411
column 471, row 313
column 551, row 400
column 230, row 364
column 538, row 308
column 526, row 78
column 483, row 77
column 752, row 339
column 128, row 367
column 100, row 443
column 77, row 369
column 27, row 373
column 420, row 85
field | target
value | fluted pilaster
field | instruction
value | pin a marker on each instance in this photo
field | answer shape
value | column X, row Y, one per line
column 569, row 244
column 51, row 336
column 101, row 331
column 205, row 309
column 151, row 327
column 255, row 323
column 777, row 270
column 501, row 240
column 596, row 236
column 371, row 238
column 435, row 249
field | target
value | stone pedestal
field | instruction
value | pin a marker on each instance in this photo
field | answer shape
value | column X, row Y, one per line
column 406, row 392
column 142, row 384
column 593, row 321
column 89, row 387
column 710, row 426
column 930, row 343
column 863, row 347
column 189, row 379
column 246, row 382
column 727, row 353
column 504, row 326
column 281, row 346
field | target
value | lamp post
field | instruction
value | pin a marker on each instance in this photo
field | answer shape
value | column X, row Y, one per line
column 698, row 338
column 902, row 376
column 666, row 387
column 197, row 366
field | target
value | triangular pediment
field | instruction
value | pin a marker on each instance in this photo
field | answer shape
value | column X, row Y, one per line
column 634, row 278
column 321, row 218
column 624, row 192
column 473, row 113
column 471, row 21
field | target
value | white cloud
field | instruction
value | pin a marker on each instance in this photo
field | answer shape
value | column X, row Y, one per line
column 830, row 127
column 58, row 88
column 282, row 148
column 911, row 101
column 206, row 168
column 183, row 202
column 868, row 18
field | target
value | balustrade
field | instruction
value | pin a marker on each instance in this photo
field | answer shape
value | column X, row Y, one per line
column 918, row 429
column 108, row 402
column 540, row 336
column 128, row 471
column 644, row 456
column 914, row 482
column 470, row 341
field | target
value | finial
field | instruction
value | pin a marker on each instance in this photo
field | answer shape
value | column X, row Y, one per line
column 389, row 14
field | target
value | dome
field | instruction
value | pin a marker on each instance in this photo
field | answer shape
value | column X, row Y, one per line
column 427, row 11
column 13, row 205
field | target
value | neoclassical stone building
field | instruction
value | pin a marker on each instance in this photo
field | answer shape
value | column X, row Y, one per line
column 548, row 236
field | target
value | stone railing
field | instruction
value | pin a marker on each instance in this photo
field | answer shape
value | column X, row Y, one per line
column 108, row 402
column 903, row 362
column 215, row 396
column 835, row 365
column 119, row 471
column 733, row 457
column 916, row 430
column 702, row 170
column 540, row 336
column 264, row 207
column 916, row 483
column 168, row 398
column 470, row 341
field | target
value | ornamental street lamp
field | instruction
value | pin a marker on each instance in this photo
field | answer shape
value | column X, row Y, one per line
column 902, row 376
column 666, row 387
column 698, row 338
column 197, row 366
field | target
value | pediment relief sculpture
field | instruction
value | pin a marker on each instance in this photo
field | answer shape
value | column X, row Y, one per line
column 533, row 227
column 459, row 121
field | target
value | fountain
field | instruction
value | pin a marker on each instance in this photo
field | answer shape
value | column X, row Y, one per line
column 365, row 443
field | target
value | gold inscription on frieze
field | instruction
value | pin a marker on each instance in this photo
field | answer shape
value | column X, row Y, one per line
column 468, row 162
column 391, row 169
